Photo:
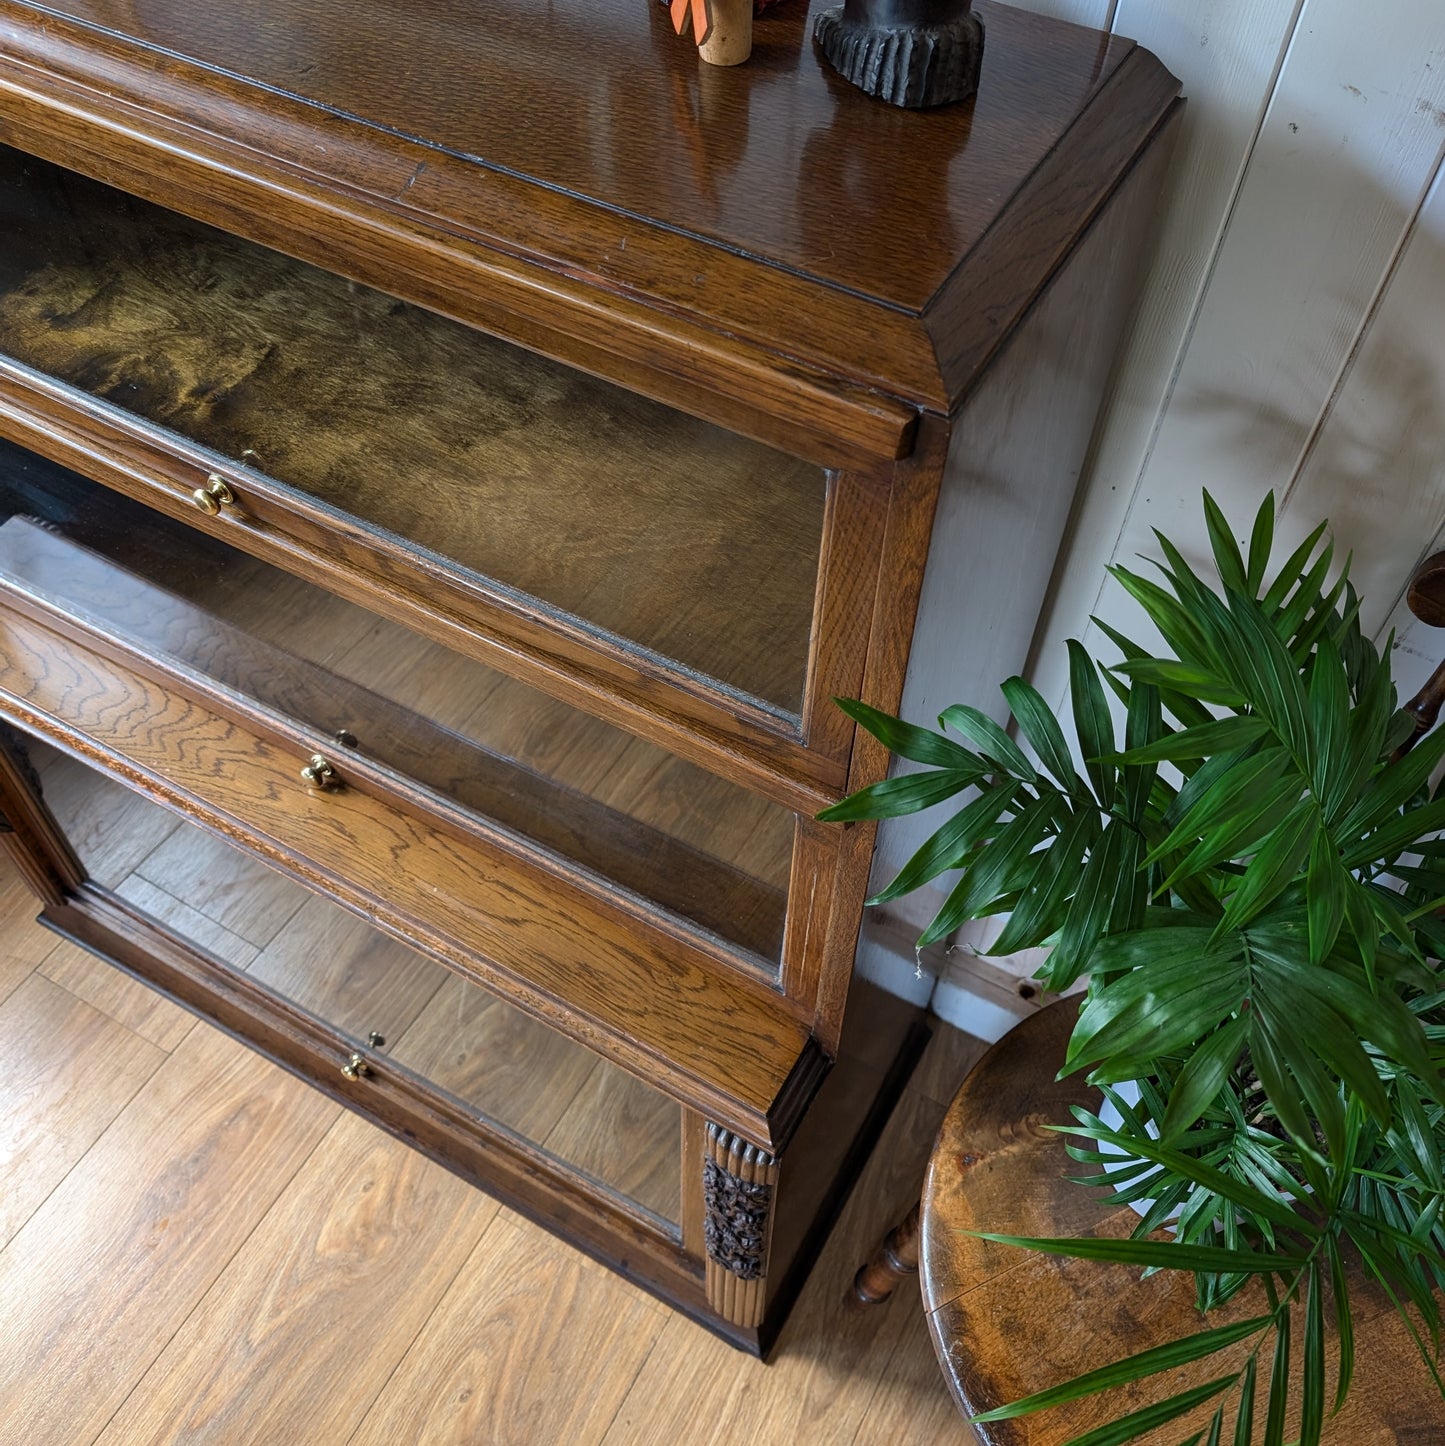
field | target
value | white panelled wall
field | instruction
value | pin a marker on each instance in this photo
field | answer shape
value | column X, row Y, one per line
column 1291, row 334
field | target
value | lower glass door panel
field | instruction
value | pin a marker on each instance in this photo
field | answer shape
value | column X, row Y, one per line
column 504, row 1068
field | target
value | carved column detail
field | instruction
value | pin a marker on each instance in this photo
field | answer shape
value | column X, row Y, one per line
column 739, row 1182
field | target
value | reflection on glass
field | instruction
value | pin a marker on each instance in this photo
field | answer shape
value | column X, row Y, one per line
column 495, row 1061
column 626, row 810
column 663, row 530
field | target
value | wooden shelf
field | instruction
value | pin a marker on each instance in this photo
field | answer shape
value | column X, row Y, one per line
column 514, row 1073
column 724, row 1044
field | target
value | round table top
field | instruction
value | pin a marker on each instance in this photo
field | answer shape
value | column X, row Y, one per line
column 1007, row 1322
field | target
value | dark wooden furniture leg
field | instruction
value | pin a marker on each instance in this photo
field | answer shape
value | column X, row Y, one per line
column 895, row 1258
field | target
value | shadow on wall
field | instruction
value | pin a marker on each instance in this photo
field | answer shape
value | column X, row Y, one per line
column 1373, row 460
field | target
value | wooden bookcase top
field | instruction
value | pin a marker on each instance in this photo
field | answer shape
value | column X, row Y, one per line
column 763, row 239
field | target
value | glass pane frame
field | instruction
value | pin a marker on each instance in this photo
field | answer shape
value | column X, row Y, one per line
column 333, row 955
column 555, row 782
column 196, row 397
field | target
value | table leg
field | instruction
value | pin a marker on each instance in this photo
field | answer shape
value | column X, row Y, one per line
column 896, row 1257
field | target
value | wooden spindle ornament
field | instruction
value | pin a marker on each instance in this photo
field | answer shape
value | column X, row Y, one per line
column 722, row 29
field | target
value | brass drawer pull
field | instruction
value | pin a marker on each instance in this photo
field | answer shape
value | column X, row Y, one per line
column 356, row 1067
column 214, row 495
column 319, row 773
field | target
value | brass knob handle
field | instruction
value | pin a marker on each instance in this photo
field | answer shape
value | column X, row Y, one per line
column 214, row 495
column 319, row 773
column 356, row 1068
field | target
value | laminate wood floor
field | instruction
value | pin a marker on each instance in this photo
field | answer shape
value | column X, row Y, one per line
column 195, row 1247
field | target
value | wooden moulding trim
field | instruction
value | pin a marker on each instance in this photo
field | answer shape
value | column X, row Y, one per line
column 903, row 553
column 243, row 158
column 1012, row 264
column 855, row 520
column 724, row 734
column 658, row 1006
column 524, row 1177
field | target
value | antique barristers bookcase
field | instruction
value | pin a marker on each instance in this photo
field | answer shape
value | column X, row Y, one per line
column 450, row 457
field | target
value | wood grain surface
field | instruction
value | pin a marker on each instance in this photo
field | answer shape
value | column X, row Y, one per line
column 364, row 1241
column 469, row 1374
column 519, row 89
column 24, row 944
column 148, row 1253
column 116, row 995
column 1007, row 1322
column 51, row 1116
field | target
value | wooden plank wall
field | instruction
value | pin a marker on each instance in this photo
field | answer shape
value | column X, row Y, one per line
column 1292, row 330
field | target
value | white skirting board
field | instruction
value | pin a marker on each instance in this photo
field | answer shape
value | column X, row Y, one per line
column 965, row 989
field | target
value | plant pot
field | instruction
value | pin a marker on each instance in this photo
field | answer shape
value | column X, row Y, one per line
column 1130, row 1093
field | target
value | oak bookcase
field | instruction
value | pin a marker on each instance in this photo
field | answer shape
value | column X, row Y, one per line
column 451, row 455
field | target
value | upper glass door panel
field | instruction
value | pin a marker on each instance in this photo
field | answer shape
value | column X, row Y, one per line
column 637, row 521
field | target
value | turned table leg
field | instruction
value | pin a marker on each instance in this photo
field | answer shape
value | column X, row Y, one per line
column 896, row 1257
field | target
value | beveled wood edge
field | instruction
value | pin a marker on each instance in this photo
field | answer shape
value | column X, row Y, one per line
column 791, row 1104
column 66, row 91
column 374, row 779
column 523, row 1176
column 849, row 564
column 896, row 589
column 665, row 706
column 1054, row 211
column 681, row 1080
column 813, row 877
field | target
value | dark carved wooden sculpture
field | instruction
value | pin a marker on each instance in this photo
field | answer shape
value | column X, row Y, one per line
column 908, row 52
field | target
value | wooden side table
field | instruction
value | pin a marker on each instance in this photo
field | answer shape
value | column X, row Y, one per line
column 1007, row 1322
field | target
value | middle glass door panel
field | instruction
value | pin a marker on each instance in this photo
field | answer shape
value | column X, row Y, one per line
column 624, row 810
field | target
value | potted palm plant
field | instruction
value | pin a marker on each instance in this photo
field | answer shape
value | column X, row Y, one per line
column 1249, row 879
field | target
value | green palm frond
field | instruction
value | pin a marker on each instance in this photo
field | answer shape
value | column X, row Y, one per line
column 1254, row 883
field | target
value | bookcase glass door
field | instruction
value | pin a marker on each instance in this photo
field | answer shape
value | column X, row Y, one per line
column 560, row 492
column 438, row 1030
column 626, row 811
